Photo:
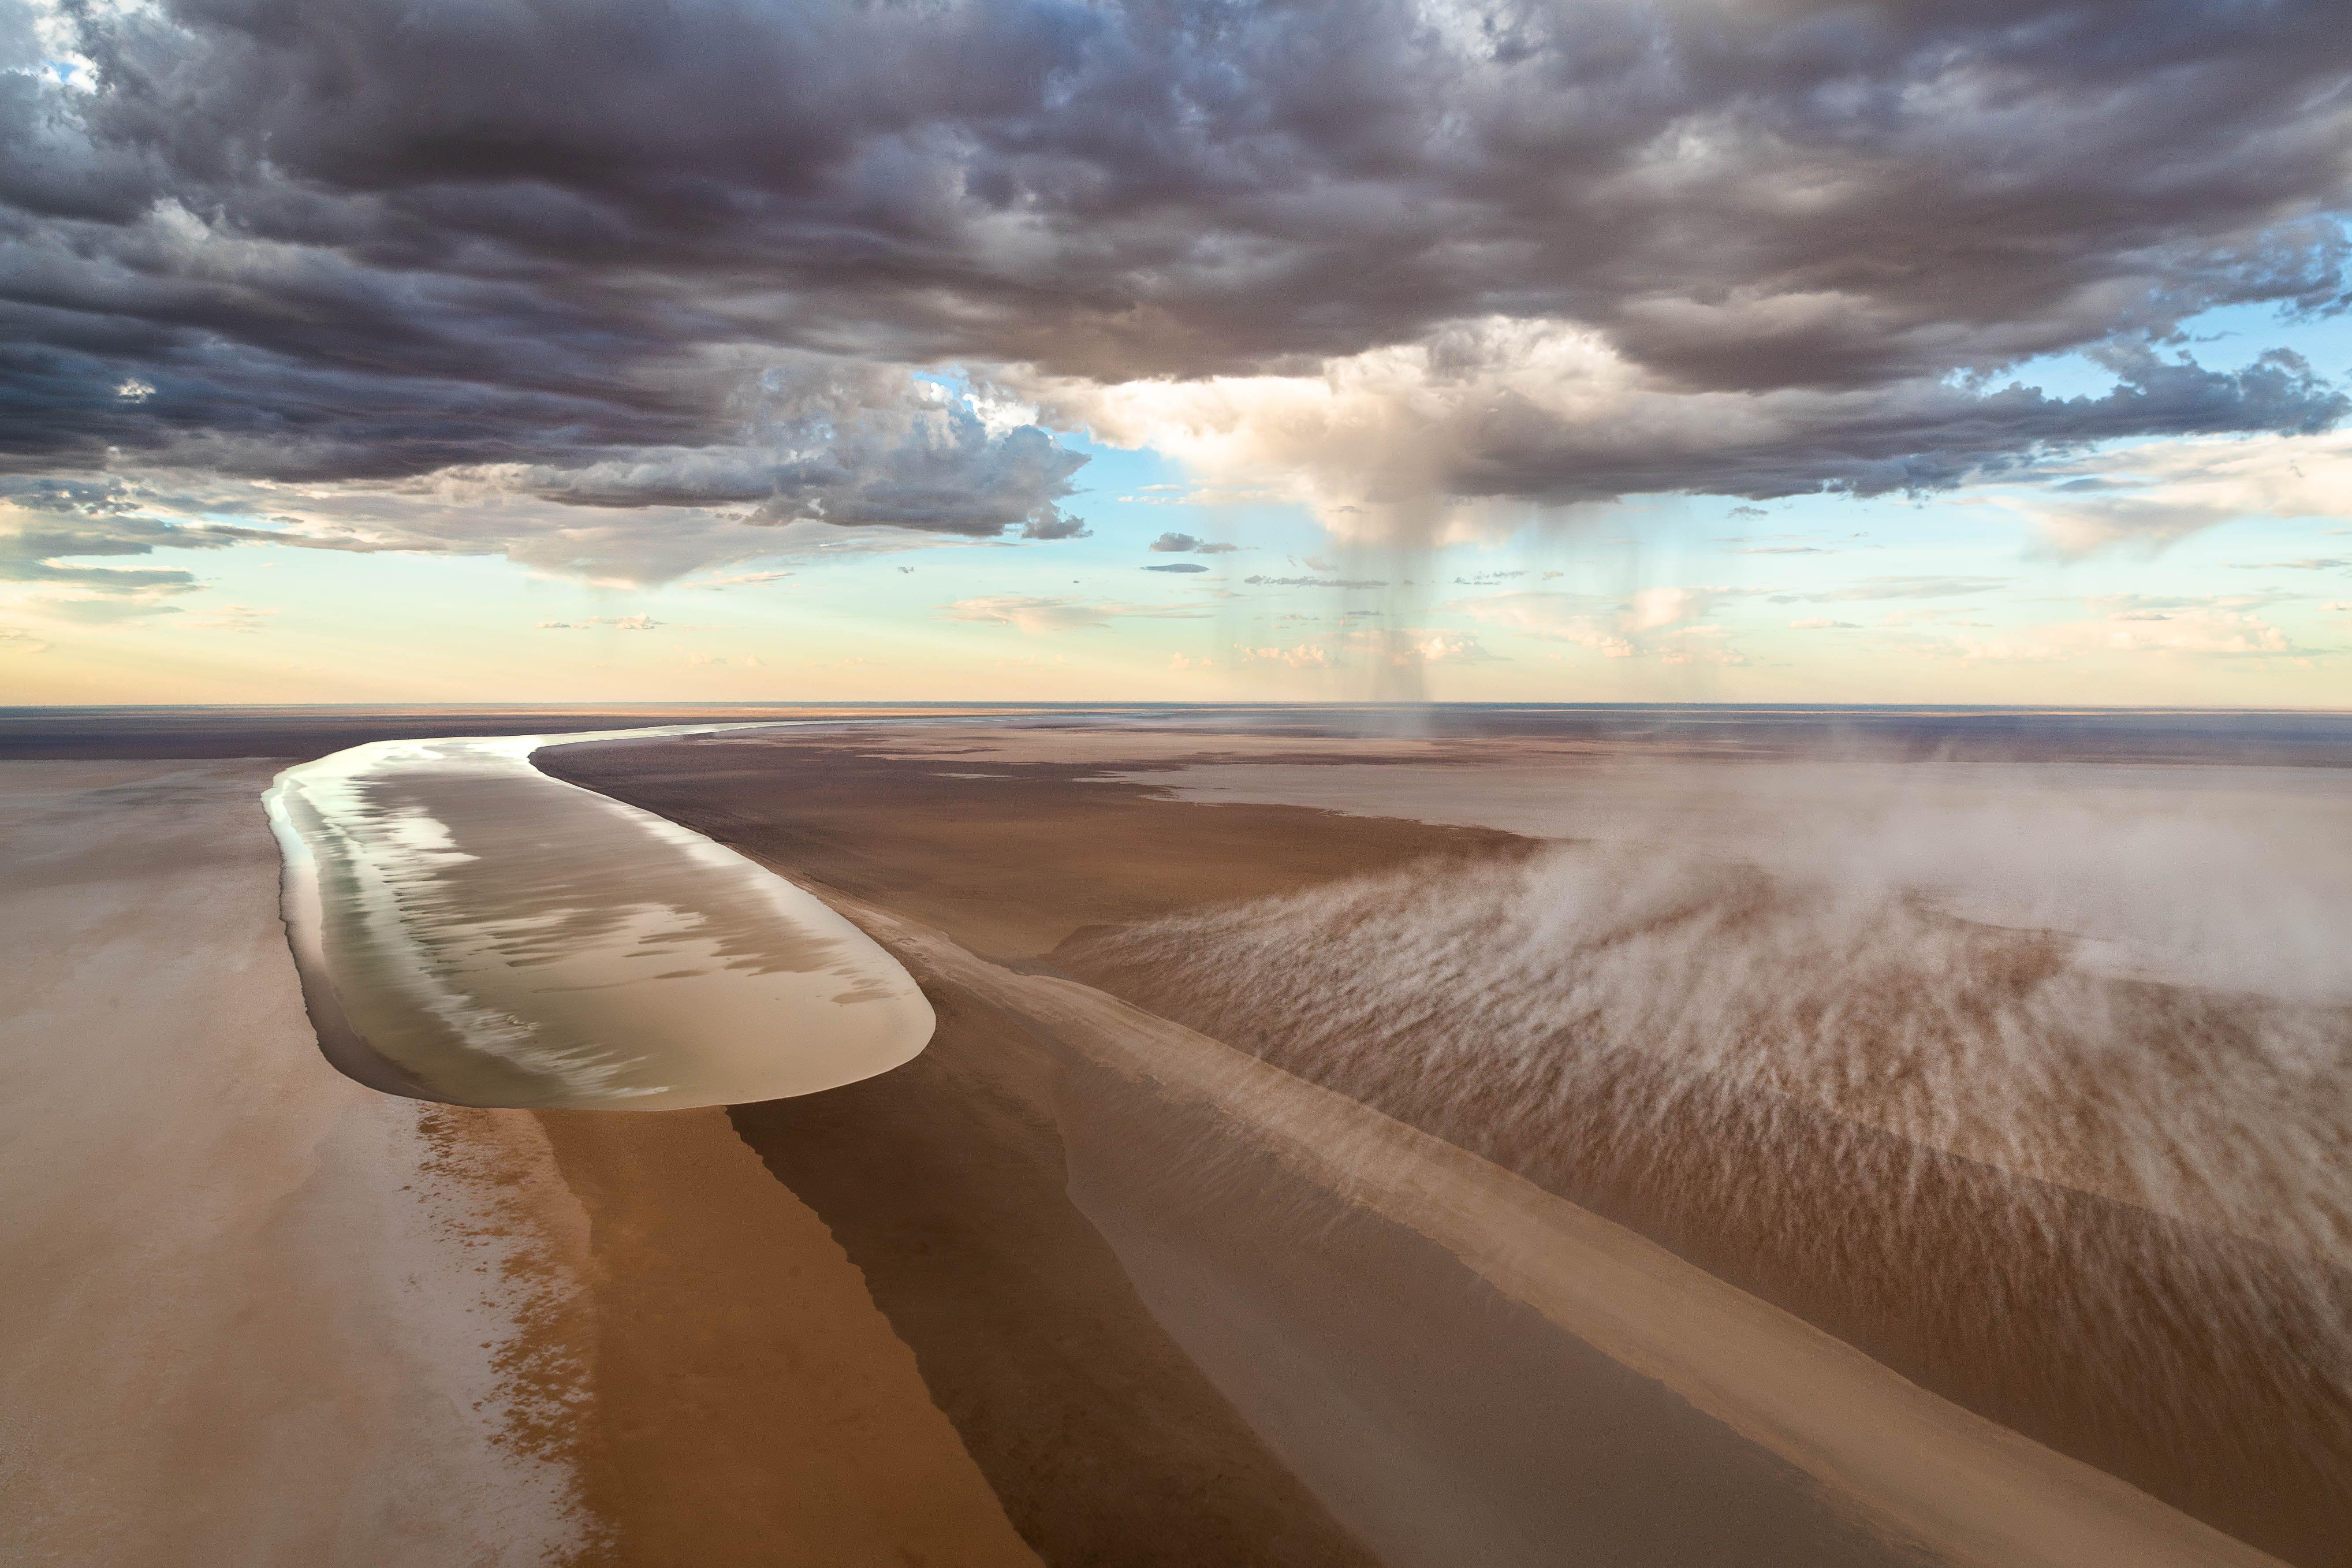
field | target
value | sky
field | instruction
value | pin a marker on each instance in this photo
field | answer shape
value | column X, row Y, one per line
column 1610, row 350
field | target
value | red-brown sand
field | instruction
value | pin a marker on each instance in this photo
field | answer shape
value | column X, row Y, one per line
column 1011, row 855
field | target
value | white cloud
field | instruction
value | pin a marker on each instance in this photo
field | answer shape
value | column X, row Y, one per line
column 1652, row 609
column 1368, row 443
column 1453, row 437
column 1701, row 645
column 2225, row 632
column 1031, row 613
column 1558, row 617
column 2146, row 498
column 1303, row 656
column 1408, row 647
column 1653, row 622
column 1180, row 544
column 2202, row 632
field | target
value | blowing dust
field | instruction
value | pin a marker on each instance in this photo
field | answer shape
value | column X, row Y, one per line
column 2042, row 1095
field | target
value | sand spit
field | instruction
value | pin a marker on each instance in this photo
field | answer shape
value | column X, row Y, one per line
column 472, row 930
column 252, row 1312
column 1933, row 1478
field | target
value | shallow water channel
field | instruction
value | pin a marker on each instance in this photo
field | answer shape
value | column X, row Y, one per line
column 470, row 930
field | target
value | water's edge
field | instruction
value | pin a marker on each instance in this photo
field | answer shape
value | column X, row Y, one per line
column 302, row 806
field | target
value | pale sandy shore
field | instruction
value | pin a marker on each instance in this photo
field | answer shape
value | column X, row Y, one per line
column 253, row 1313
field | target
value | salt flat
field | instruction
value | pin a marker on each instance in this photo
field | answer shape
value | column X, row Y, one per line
column 253, row 1312
column 257, row 1313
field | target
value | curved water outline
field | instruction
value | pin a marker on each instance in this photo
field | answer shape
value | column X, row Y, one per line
column 308, row 789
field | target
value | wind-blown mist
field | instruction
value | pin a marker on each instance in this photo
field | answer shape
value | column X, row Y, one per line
column 2112, row 1209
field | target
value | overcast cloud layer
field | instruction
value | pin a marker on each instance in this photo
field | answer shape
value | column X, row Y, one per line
column 613, row 255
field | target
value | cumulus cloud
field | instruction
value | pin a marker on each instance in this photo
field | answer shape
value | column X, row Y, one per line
column 62, row 545
column 1409, row 441
column 1387, row 653
column 1412, row 647
column 2146, row 498
column 2120, row 625
column 1180, row 543
column 1298, row 655
column 1661, row 623
column 1414, row 257
column 2213, row 633
column 451, row 513
column 828, row 440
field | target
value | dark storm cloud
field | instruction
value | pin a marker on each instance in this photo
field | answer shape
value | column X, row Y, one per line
column 566, row 239
column 827, row 440
column 72, row 549
column 1186, row 544
column 1914, row 435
